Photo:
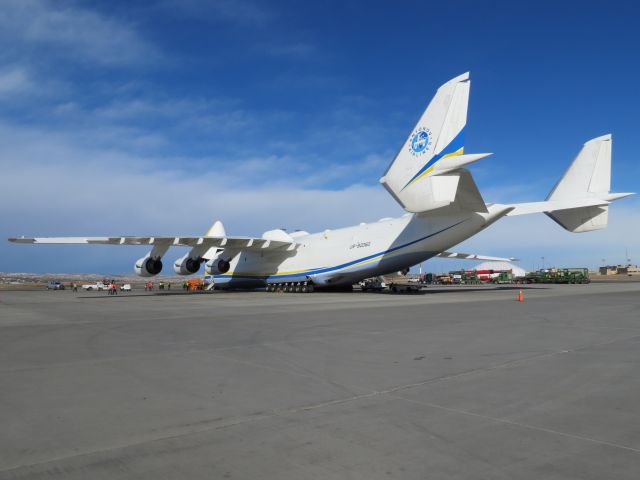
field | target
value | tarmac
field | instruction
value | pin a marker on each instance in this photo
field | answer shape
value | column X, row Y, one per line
column 453, row 383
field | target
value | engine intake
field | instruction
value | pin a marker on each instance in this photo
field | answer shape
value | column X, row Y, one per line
column 148, row 267
column 187, row 265
column 217, row 266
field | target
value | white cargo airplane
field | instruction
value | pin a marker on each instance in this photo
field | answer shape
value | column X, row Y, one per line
column 427, row 178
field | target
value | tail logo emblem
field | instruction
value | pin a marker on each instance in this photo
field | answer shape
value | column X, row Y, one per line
column 420, row 141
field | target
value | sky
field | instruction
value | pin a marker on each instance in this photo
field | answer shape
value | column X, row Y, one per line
column 160, row 117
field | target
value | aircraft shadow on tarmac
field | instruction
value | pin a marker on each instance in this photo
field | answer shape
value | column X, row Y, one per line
column 462, row 290
column 425, row 291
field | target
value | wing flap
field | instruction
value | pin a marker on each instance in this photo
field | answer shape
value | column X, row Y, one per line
column 473, row 256
column 229, row 243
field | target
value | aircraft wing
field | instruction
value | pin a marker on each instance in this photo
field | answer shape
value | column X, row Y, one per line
column 473, row 256
column 231, row 243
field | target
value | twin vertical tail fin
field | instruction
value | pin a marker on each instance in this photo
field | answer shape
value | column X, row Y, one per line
column 428, row 174
column 424, row 174
column 587, row 178
column 580, row 200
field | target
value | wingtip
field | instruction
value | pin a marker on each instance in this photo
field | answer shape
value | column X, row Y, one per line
column 21, row 240
column 617, row 196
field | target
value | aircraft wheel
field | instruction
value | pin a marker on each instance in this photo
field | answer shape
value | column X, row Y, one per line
column 304, row 289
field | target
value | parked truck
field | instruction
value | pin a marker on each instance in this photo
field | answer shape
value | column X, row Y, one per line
column 375, row 284
column 94, row 286
column 559, row 275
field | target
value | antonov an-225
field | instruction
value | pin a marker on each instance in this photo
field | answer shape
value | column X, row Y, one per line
column 443, row 204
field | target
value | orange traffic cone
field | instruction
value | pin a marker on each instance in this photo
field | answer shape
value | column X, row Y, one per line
column 520, row 296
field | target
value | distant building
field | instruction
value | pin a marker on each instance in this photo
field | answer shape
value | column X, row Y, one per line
column 609, row 270
column 620, row 270
column 628, row 270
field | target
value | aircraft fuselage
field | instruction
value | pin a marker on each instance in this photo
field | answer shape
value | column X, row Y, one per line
column 347, row 255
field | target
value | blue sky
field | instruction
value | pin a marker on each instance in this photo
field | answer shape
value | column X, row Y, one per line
column 160, row 117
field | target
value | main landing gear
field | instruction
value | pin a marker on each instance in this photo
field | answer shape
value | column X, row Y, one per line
column 290, row 287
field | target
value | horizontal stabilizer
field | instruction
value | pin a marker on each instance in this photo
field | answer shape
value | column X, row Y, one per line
column 453, row 163
column 584, row 219
column 580, row 200
column 550, row 206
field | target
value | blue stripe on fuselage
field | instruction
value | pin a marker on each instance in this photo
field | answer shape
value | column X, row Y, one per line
column 315, row 271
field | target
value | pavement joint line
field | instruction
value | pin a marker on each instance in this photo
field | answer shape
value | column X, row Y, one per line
column 508, row 364
column 232, row 423
column 281, row 342
column 518, row 424
column 390, row 392
column 209, row 350
column 287, row 372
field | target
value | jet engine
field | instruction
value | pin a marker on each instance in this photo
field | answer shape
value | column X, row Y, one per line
column 187, row 265
column 148, row 266
column 217, row 266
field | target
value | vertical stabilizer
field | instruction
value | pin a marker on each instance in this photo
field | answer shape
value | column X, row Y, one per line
column 438, row 133
column 423, row 176
column 588, row 177
column 216, row 230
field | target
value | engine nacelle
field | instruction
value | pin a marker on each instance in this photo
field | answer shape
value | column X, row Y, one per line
column 148, row 266
column 217, row 266
column 187, row 265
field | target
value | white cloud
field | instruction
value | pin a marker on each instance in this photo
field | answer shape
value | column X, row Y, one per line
column 531, row 237
column 14, row 80
column 49, row 187
column 53, row 184
column 72, row 32
column 42, row 171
